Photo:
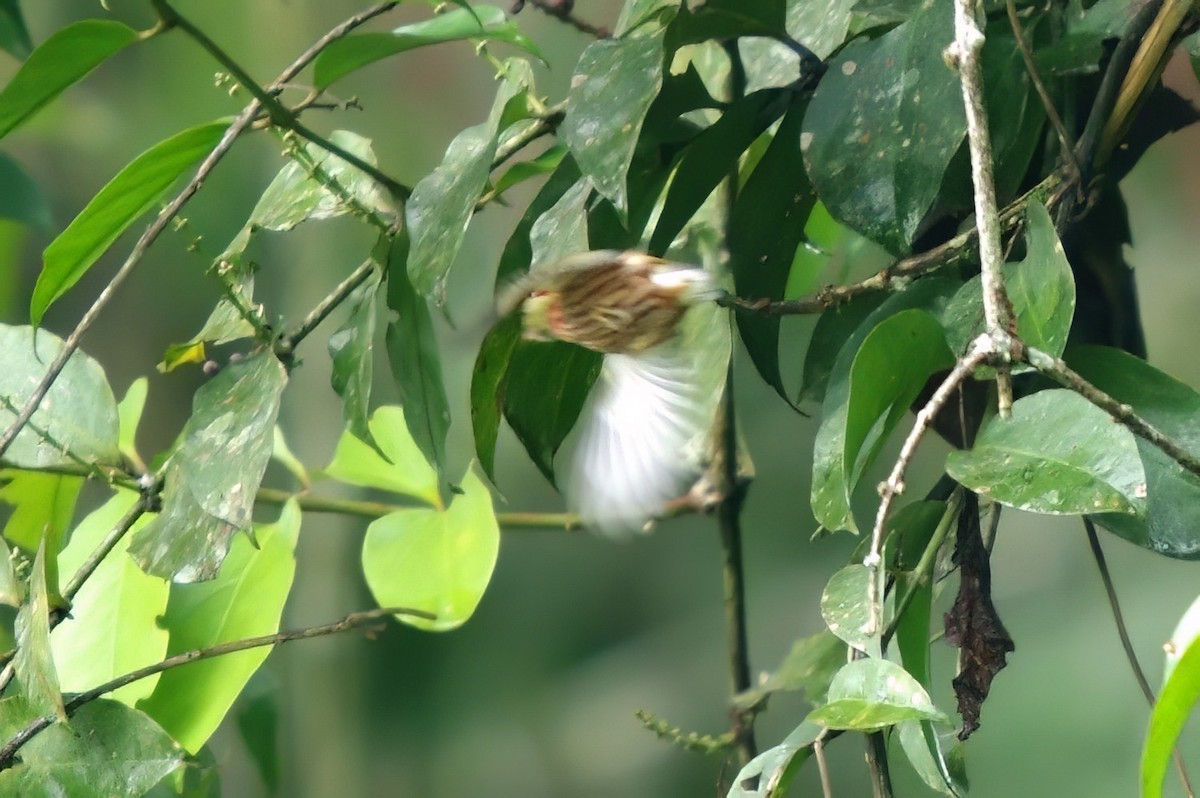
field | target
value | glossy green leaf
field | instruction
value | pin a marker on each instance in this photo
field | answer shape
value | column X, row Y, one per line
column 563, row 229
column 1058, row 454
column 821, row 27
column 518, row 250
column 834, row 328
column 614, row 84
column 1171, row 524
column 1186, row 632
column 443, row 202
column 546, row 387
column 436, row 560
column 63, row 59
column 34, row 662
column 1016, row 114
column 196, row 777
column 108, row 749
column 727, row 19
column 212, row 478
column 22, row 199
column 808, row 668
column 14, row 36
column 482, row 22
column 766, row 226
column 113, row 626
column 129, row 415
column 416, row 362
column 518, row 173
column 135, row 190
column 872, row 694
column 845, row 609
column 43, row 505
column 351, row 350
column 1081, row 48
column 405, row 470
column 487, row 388
column 711, row 158
column 1041, row 288
column 867, row 398
column 317, row 185
column 1174, row 706
column 769, row 774
column 882, row 127
column 245, row 600
column 78, row 415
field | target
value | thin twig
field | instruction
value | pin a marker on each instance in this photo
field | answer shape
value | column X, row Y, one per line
column 239, row 125
column 289, row 341
column 1126, row 643
column 893, row 486
column 1057, row 370
column 964, row 53
column 877, row 765
column 822, row 765
column 9, row 750
column 562, row 11
column 545, row 124
column 1064, row 138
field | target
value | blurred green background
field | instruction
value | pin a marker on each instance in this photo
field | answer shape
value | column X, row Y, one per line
column 536, row 695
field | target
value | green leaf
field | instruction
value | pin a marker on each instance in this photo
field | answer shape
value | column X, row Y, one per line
column 614, row 84
column 1171, row 711
column 545, row 390
column 416, row 362
column 113, row 626
column 351, row 350
column 710, row 158
column 212, row 478
column 518, row 250
column 765, row 228
column 129, row 414
column 769, row 773
column 726, row 19
column 63, row 59
column 34, row 662
column 834, row 327
column 282, row 454
column 317, row 185
column 136, row 189
column 882, row 127
column 1081, row 49
column 488, row 387
column 196, row 777
column 257, row 714
column 845, row 609
column 78, row 415
column 867, row 398
column 872, row 694
column 352, row 53
column 405, row 470
column 245, row 600
column 108, row 749
column 821, row 27
column 14, row 36
column 11, row 592
column 808, row 668
column 1058, row 454
column 546, row 162
column 1041, row 288
column 22, row 199
column 1171, row 524
column 443, row 202
column 435, row 560
column 43, row 505
column 1016, row 114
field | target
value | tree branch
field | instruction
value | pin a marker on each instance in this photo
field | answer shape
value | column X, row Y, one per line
column 9, row 750
column 562, row 10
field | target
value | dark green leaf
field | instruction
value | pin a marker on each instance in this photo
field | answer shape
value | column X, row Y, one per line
column 488, row 388
column 545, row 390
column 63, row 59
column 352, row 53
column 245, row 600
column 548, row 161
column 14, row 36
column 710, row 158
column 1172, row 522
column 78, row 415
column 868, row 396
column 442, row 203
column 34, row 662
column 834, row 328
column 614, row 84
column 22, row 199
column 136, row 189
column 1016, row 114
column 821, row 27
column 1058, row 454
column 352, row 349
column 1191, row 45
column 1171, row 712
column 212, row 478
column 726, row 19
column 1081, row 49
column 1041, row 288
column 415, row 360
column 108, row 749
column 766, row 227
column 882, row 127
column 872, row 694
column 518, row 251
column 436, row 560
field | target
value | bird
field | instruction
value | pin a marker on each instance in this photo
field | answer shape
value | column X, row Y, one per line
column 640, row 439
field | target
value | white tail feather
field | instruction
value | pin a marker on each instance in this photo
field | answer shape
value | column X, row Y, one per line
column 645, row 413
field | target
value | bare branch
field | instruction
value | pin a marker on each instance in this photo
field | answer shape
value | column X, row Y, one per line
column 564, row 10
